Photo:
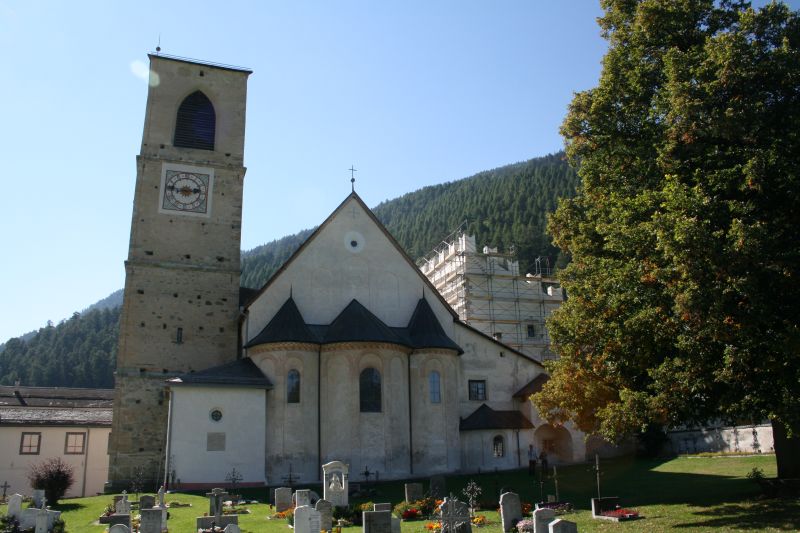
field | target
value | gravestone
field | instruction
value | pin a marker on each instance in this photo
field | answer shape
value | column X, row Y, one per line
column 38, row 498
column 414, row 492
column 335, row 483
column 562, row 526
column 382, row 507
column 147, row 502
column 15, row 506
column 119, row 518
column 607, row 503
column 28, row 518
column 306, row 520
column 232, row 528
column 376, row 522
column 396, row 526
column 123, row 505
column 325, row 510
column 510, row 510
column 161, row 497
column 41, row 521
column 119, row 528
column 150, row 521
column 455, row 516
column 302, row 498
column 283, row 499
column 223, row 521
column 541, row 519
column 438, row 487
column 215, row 499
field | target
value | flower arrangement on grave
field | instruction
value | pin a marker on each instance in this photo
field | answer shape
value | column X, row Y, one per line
column 622, row 513
column 525, row 526
column 415, row 510
column 231, row 509
column 109, row 509
column 434, row 526
column 479, row 520
column 557, row 507
column 289, row 515
column 527, row 508
column 410, row 514
column 135, row 521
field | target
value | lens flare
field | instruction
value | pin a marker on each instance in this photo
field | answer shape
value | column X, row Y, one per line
column 141, row 71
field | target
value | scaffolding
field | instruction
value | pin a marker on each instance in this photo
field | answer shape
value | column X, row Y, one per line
column 488, row 293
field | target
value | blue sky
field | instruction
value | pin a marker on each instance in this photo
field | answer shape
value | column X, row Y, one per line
column 412, row 93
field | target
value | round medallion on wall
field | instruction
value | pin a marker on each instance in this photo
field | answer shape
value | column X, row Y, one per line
column 216, row 415
column 354, row 241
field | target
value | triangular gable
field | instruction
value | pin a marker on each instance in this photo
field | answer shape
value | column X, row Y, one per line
column 349, row 256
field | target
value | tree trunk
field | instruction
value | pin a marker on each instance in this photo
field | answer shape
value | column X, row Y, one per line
column 787, row 451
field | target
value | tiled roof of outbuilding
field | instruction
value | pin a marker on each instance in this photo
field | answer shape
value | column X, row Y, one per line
column 55, row 397
column 535, row 385
column 241, row 373
column 485, row 417
column 47, row 416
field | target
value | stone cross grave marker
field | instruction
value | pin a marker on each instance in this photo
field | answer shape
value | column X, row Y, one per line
column 510, row 510
column 161, row 496
column 414, row 492
column 150, row 521
column 5, row 486
column 215, row 499
column 455, row 516
column 541, row 519
column 335, row 483
column 123, row 506
column 306, row 520
column 15, row 506
column 438, row 487
column 302, row 497
column 562, row 526
column 283, row 498
column 119, row 528
column 325, row 510
column 376, row 522
column 41, row 520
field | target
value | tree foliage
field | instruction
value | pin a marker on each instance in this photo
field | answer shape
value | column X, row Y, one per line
column 683, row 286
column 54, row 475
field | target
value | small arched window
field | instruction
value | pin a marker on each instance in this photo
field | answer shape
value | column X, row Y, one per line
column 434, row 385
column 370, row 390
column 196, row 123
column 499, row 446
column 293, row 386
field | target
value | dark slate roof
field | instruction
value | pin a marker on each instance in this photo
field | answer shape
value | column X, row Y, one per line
column 485, row 417
column 357, row 324
column 55, row 397
column 241, row 373
column 425, row 330
column 48, row 416
column 286, row 326
column 535, row 385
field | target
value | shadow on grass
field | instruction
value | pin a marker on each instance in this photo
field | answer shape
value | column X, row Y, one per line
column 778, row 514
column 66, row 507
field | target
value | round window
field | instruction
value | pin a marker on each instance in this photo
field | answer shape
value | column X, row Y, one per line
column 216, row 415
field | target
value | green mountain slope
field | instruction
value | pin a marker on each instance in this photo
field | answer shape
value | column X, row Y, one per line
column 504, row 207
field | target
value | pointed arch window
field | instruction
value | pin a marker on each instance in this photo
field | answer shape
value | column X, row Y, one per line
column 293, row 386
column 435, row 386
column 196, row 123
column 370, row 390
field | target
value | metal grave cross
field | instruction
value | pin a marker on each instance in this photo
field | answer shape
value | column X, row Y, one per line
column 5, row 487
column 454, row 515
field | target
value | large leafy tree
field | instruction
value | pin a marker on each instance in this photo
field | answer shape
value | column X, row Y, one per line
column 684, row 295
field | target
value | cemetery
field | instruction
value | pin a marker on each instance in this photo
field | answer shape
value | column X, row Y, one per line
column 695, row 494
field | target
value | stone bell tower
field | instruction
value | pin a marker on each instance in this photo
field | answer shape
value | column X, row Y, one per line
column 181, row 300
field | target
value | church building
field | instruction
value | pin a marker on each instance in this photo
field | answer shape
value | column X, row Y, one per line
column 347, row 353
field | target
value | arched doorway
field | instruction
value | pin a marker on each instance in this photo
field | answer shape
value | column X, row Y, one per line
column 555, row 441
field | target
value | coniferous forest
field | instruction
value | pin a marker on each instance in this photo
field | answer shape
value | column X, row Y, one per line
column 505, row 208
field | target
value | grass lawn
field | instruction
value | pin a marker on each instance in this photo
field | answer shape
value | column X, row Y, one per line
column 684, row 494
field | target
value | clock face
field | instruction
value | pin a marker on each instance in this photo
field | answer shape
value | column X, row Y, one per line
column 186, row 190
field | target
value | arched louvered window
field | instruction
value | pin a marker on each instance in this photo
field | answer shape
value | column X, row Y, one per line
column 196, row 123
column 434, row 384
column 370, row 390
column 293, row 386
column 499, row 446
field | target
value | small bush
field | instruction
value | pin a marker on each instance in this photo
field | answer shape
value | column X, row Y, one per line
column 756, row 474
column 54, row 476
